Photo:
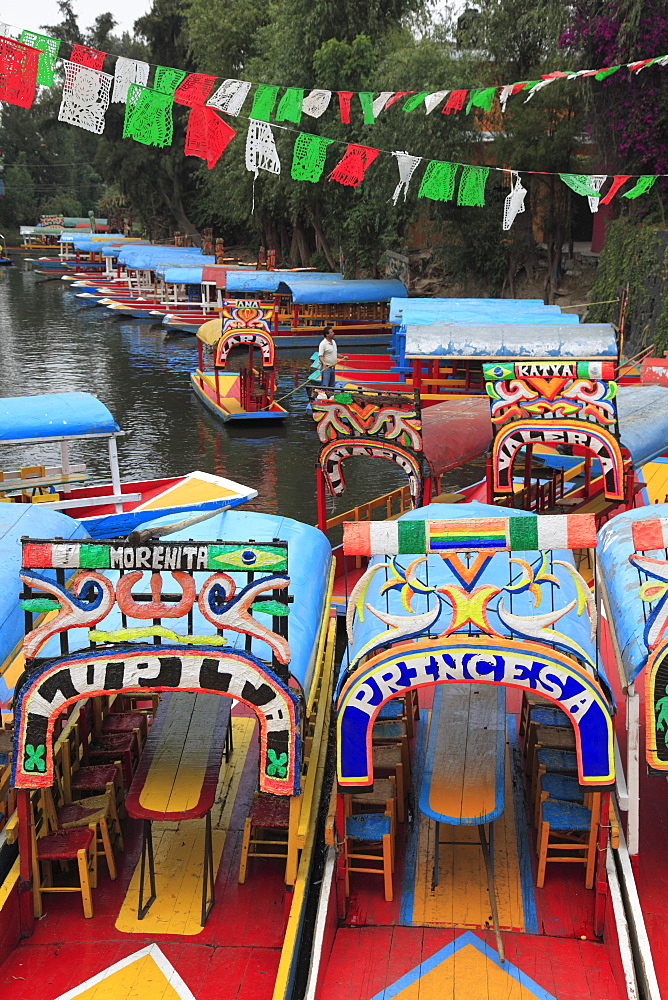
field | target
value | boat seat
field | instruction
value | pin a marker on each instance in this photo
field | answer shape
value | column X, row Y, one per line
column 557, row 786
column 78, row 845
column 265, row 830
column 388, row 763
column 571, row 828
column 368, row 840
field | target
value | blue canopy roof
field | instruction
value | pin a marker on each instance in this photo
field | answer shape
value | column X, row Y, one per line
column 310, row 292
column 498, row 572
column 621, row 581
column 240, row 282
column 424, row 312
column 181, row 274
column 54, row 415
column 308, row 583
column 501, row 339
column 17, row 520
column 643, row 421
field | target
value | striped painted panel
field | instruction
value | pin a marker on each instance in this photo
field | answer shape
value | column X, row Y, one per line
column 650, row 534
column 496, row 534
column 549, row 369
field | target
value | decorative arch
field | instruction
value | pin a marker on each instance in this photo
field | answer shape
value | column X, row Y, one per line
column 125, row 669
column 245, row 337
column 530, row 666
column 598, row 441
column 656, row 709
column 333, row 455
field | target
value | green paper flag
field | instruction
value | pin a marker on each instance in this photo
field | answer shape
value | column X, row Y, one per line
column 290, row 106
column 472, row 186
column 167, row 79
column 308, row 157
column 481, row 99
column 602, row 73
column 415, row 100
column 366, row 100
column 264, row 100
column 642, row 186
column 46, row 66
column 580, row 184
column 438, row 182
column 148, row 116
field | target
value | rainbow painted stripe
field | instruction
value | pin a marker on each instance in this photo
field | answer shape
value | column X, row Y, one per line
column 496, row 534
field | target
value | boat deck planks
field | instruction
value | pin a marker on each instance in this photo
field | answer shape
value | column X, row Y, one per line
column 234, row 957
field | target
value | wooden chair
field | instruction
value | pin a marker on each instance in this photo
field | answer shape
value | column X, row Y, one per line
column 557, row 786
column 559, row 738
column 95, row 813
column 571, row 828
column 385, row 733
column 381, row 798
column 542, row 715
column 388, row 763
column 265, row 830
column 368, row 839
column 127, row 722
column 63, row 846
column 400, row 708
column 112, row 747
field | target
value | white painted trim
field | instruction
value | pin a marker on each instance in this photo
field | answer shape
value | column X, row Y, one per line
column 165, row 966
column 620, row 779
column 629, row 885
column 622, row 927
column 118, row 499
column 320, row 922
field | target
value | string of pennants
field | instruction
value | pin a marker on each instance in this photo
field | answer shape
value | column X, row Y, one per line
column 31, row 61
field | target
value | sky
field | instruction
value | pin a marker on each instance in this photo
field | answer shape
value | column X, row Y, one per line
column 34, row 13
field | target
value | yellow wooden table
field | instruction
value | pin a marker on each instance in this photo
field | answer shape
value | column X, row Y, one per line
column 463, row 782
column 177, row 776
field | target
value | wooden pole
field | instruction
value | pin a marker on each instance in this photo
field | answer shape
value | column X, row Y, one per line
column 26, row 909
column 321, row 499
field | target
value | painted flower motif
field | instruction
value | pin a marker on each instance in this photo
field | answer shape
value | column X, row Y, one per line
column 34, row 760
column 278, row 765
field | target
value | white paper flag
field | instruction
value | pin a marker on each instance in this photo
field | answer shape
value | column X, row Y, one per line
column 316, row 103
column 86, row 94
column 128, row 71
column 230, row 96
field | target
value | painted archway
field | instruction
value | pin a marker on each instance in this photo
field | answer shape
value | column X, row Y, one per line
column 598, row 441
column 125, row 669
column 480, row 660
column 245, row 337
column 333, row 455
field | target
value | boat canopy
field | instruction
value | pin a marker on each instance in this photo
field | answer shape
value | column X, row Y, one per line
column 308, row 586
column 507, row 340
column 642, row 412
column 179, row 274
column 327, row 291
column 18, row 520
column 455, row 432
column 627, row 612
column 425, row 312
column 502, row 573
column 242, row 282
column 113, row 247
column 54, row 415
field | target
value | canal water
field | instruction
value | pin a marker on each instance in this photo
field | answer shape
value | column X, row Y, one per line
column 49, row 342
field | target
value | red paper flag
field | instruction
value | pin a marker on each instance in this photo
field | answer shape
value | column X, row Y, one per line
column 85, row 56
column 395, row 97
column 345, row 97
column 194, row 90
column 351, row 168
column 617, row 182
column 207, row 135
column 455, row 101
column 18, row 72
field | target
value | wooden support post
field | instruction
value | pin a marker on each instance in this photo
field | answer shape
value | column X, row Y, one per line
column 489, row 478
column 587, row 482
column 633, row 770
column 426, row 491
column 200, row 355
column 528, row 458
column 321, row 499
column 601, row 879
column 293, row 851
column 276, row 301
column 26, row 909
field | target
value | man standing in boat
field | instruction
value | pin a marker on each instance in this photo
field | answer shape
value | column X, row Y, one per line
column 329, row 357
